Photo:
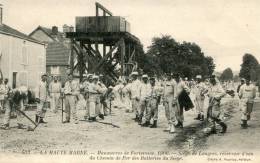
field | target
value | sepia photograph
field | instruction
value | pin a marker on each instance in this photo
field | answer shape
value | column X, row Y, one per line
column 129, row 81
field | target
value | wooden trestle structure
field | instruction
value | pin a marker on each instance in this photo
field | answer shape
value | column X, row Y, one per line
column 117, row 48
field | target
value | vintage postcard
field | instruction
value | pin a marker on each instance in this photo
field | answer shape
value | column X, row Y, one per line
column 129, row 81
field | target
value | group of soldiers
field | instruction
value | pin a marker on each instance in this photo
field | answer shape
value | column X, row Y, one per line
column 174, row 94
column 143, row 95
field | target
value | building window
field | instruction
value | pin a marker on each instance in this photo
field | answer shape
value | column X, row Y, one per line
column 24, row 56
column 55, row 70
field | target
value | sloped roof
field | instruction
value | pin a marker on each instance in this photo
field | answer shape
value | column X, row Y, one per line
column 5, row 29
column 48, row 31
column 57, row 54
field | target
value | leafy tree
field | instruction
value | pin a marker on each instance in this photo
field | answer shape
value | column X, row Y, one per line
column 185, row 58
column 226, row 75
column 249, row 67
column 146, row 63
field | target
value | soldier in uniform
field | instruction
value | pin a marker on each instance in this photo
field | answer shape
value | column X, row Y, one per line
column 184, row 101
column 152, row 104
column 170, row 102
column 200, row 90
column 101, row 99
column 71, row 91
column 247, row 94
column 135, row 94
column 42, row 94
column 14, row 99
column 94, row 90
column 144, row 92
column 216, row 93
column 85, row 87
column 55, row 91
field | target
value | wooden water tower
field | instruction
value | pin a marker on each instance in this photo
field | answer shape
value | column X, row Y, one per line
column 102, row 44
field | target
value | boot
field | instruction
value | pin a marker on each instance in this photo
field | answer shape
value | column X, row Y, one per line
column 244, row 124
column 140, row 119
column 248, row 117
column 101, row 116
column 41, row 120
column 66, row 121
column 169, row 128
column 198, row 117
column 5, row 127
column 224, row 127
column 179, row 125
column 36, row 119
column 21, row 126
column 202, row 118
column 146, row 124
column 172, row 130
column 213, row 130
column 136, row 118
column 154, row 125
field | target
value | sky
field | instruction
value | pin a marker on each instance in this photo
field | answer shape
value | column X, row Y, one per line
column 225, row 30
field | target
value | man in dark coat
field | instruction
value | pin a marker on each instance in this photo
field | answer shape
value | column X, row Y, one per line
column 183, row 100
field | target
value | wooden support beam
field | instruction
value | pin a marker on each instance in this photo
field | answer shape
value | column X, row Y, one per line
column 94, row 52
column 97, row 13
column 104, row 49
column 97, row 50
column 122, row 51
column 107, row 55
column 131, row 56
column 99, row 6
column 71, row 57
column 81, row 62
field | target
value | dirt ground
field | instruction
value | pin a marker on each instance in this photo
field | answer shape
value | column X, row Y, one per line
column 130, row 136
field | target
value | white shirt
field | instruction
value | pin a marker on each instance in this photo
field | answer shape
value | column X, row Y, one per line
column 71, row 87
column 247, row 92
column 41, row 91
column 216, row 91
column 55, row 87
column 145, row 89
column 135, row 89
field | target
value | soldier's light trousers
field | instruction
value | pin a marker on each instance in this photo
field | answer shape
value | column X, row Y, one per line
column 94, row 105
column 55, row 101
column 41, row 109
column 170, row 110
column 247, row 108
column 70, row 107
column 199, row 105
column 152, row 110
column 8, row 112
column 135, row 106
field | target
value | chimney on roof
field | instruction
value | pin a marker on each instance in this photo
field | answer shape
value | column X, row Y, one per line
column 66, row 28
column 54, row 30
column 1, row 14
